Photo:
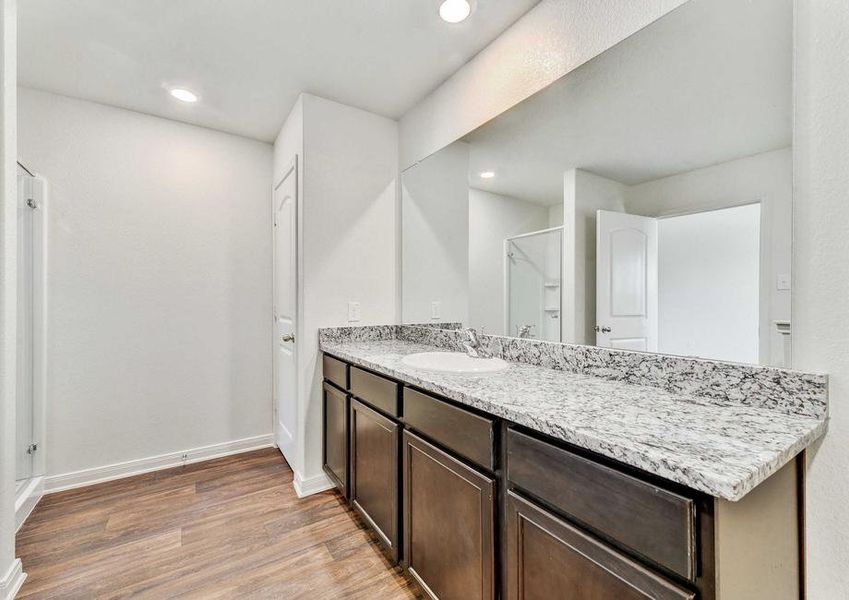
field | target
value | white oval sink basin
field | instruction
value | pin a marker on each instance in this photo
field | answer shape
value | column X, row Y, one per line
column 453, row 362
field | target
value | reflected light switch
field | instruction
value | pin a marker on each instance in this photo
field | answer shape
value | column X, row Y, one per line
column 434, row 309
column 782, row 282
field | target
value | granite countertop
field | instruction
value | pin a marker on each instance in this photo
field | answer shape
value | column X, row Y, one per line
column 715, row 446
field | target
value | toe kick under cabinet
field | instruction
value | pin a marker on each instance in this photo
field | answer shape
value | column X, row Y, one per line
column 475, row 507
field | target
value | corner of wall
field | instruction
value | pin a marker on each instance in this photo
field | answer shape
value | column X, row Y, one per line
column 10, row 568
column 347, row 227
column 820, row 285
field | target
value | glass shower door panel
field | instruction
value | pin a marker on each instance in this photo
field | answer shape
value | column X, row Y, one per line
column 24, row 389
column 525, row 295
column 533, row 295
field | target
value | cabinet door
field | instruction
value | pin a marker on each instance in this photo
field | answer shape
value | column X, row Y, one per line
column 448, row 523
column 375, row 443
column 336, row 436
column 549, row 558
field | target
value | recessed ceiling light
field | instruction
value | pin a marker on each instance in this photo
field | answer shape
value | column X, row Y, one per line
column 487, row 174
column 184, row 95
column 454, row 11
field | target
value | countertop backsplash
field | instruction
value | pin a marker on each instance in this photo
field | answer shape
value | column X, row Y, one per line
column 790, row 392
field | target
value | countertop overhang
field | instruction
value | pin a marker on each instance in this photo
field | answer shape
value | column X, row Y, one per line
column 716, row 446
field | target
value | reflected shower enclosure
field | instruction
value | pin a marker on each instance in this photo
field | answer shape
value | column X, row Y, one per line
column 532, row 284
column 29, row 392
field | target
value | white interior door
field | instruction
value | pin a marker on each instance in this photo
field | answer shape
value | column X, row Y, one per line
column 626, row 281
column 285, row 201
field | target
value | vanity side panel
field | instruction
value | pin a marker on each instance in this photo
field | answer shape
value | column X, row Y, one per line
column 757, row 541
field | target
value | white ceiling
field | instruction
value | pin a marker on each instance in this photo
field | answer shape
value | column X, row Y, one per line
column 708, row 83
column 249, row 59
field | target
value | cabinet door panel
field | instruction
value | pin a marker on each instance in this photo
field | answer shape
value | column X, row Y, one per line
column 448, row 523
column 374, row 472
column 550, row 558
column 336, row 436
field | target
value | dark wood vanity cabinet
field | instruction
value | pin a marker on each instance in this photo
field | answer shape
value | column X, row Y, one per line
column 449, row 523
column 335, row 442
column 476, row 507
column 547, row 558
column 374, row 482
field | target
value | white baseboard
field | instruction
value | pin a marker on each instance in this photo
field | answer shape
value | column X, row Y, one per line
column 311, row 485
column 26, row 500
column 11, row 582
column 75, row 479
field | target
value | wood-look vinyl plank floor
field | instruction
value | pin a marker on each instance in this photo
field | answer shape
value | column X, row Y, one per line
column 226, row 528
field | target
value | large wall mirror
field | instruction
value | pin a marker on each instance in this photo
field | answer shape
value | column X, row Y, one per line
column 642, row 202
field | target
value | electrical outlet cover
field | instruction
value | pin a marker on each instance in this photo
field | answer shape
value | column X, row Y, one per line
column 353, row 312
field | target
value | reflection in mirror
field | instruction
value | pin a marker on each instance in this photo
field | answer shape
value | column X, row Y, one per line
column 642, row 201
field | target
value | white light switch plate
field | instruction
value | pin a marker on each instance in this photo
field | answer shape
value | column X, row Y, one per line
column 782, row 281
column 353, row 312
column 434, row 309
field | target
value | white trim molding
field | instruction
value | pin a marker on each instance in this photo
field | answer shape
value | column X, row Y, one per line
column 75, row 479
column 311, row 485
column 26, row 499
column 12, row 581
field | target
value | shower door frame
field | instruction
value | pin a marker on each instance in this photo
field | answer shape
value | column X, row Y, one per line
column 506, row 279
column 35, row 190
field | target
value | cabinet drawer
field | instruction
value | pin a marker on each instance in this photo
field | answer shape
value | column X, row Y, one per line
column 652, row 521
column 336, row 371
column 449, row 523
column 374, row 486
column 377, row 391
column 466, row 433
column 549, row 558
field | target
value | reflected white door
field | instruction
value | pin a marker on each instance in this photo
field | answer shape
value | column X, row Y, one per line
column 626, row 281
column 285, row 200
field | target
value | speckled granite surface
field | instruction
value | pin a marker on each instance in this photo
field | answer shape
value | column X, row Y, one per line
column 379, row 332
column 718, row 445
column 791, row 392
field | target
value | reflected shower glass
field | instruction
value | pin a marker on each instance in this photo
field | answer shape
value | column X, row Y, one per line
column 24, row 389
column 533, row 278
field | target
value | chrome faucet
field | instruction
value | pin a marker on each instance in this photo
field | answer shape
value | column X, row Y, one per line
column 473, row 347
column 525, row 331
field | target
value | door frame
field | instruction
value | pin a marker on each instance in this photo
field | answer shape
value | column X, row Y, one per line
column 291, row 170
